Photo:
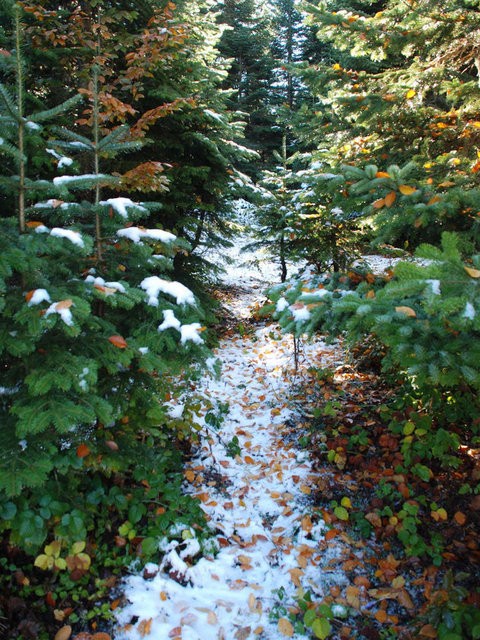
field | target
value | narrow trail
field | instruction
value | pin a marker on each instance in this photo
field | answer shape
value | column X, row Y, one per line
column 269, row 545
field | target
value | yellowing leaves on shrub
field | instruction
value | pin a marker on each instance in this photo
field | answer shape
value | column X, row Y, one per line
column 406, row 189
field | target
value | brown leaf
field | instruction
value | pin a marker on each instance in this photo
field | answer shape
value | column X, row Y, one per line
column 111, row 444
column 100, row 635
column 295, row 575
column 381, row 616
column 428, row 631
column 243, row 633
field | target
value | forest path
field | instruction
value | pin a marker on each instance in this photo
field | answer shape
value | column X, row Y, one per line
column 269, row 543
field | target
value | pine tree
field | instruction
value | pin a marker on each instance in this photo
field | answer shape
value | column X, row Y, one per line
column 91, row 321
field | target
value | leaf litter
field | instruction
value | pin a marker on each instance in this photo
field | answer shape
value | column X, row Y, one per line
column 269, row 545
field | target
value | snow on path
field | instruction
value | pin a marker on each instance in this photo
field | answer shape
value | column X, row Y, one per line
column 270, row 544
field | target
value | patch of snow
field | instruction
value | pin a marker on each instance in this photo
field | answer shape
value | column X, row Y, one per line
column 42, row 229
column 301, row 314
column 74, row 236
column 121, row 205
column 64, row 161
column 39, row 295
column 65, row 180
column 435, row 285
column 136, row 234
column 281, row 305
column 169, row 321
column 153, row 285
column 143, row 350
column 64, row 313
column 190, row 333
column 469, row 312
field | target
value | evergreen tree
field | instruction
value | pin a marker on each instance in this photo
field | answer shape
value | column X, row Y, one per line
column 91, row 323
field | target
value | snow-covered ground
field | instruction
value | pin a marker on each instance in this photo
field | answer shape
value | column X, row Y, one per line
column 269, row 544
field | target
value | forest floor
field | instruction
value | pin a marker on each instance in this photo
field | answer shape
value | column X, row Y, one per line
column 281, row 487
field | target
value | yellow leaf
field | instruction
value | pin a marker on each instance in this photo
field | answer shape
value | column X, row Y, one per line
column 381, row 616
column 410, row 93
column 77, row 547
column 406, row 189
column 346, row 502
column 43, row 562
column 390, row 198
column 473, row 273
column 285, row 627
column 476, row 124
column 442, row 514
column 337, row 67
column 408, row 311
column 434, row 199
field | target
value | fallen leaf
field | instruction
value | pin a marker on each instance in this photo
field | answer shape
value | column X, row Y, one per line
column 406, row 189
column 390, row 198
column 212, row 617
column 63, row 304
column 428, row 631
column 189, row 475
column 82, row 451
column 101, row 636
column 307, row 524
column 285, row 627
column 118, row 341
column 144, row 627
column 295, row 575
column 63, row 633
column 407, row 311
column 410, row 94
column 352, row 595
column 473, row 273
column 381, row 616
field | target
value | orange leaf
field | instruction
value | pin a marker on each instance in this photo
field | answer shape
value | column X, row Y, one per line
column 189, row 475
column 473, row 273
column 390, row 198
column 378, row 204
column 63, row 304
column 118, row 341
column 63, row 633
column 82, row 451
column 460, row 518
column 307, row 524
column 331, row 533
column 382, row 174
column 406, row 189
column 408, row 311
column 381, row 616
column 249, row 460
column 29, row 295
column 434, row 199
column 100, row 635
column 33, row 224
column 144, row 627
column 285, row 627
